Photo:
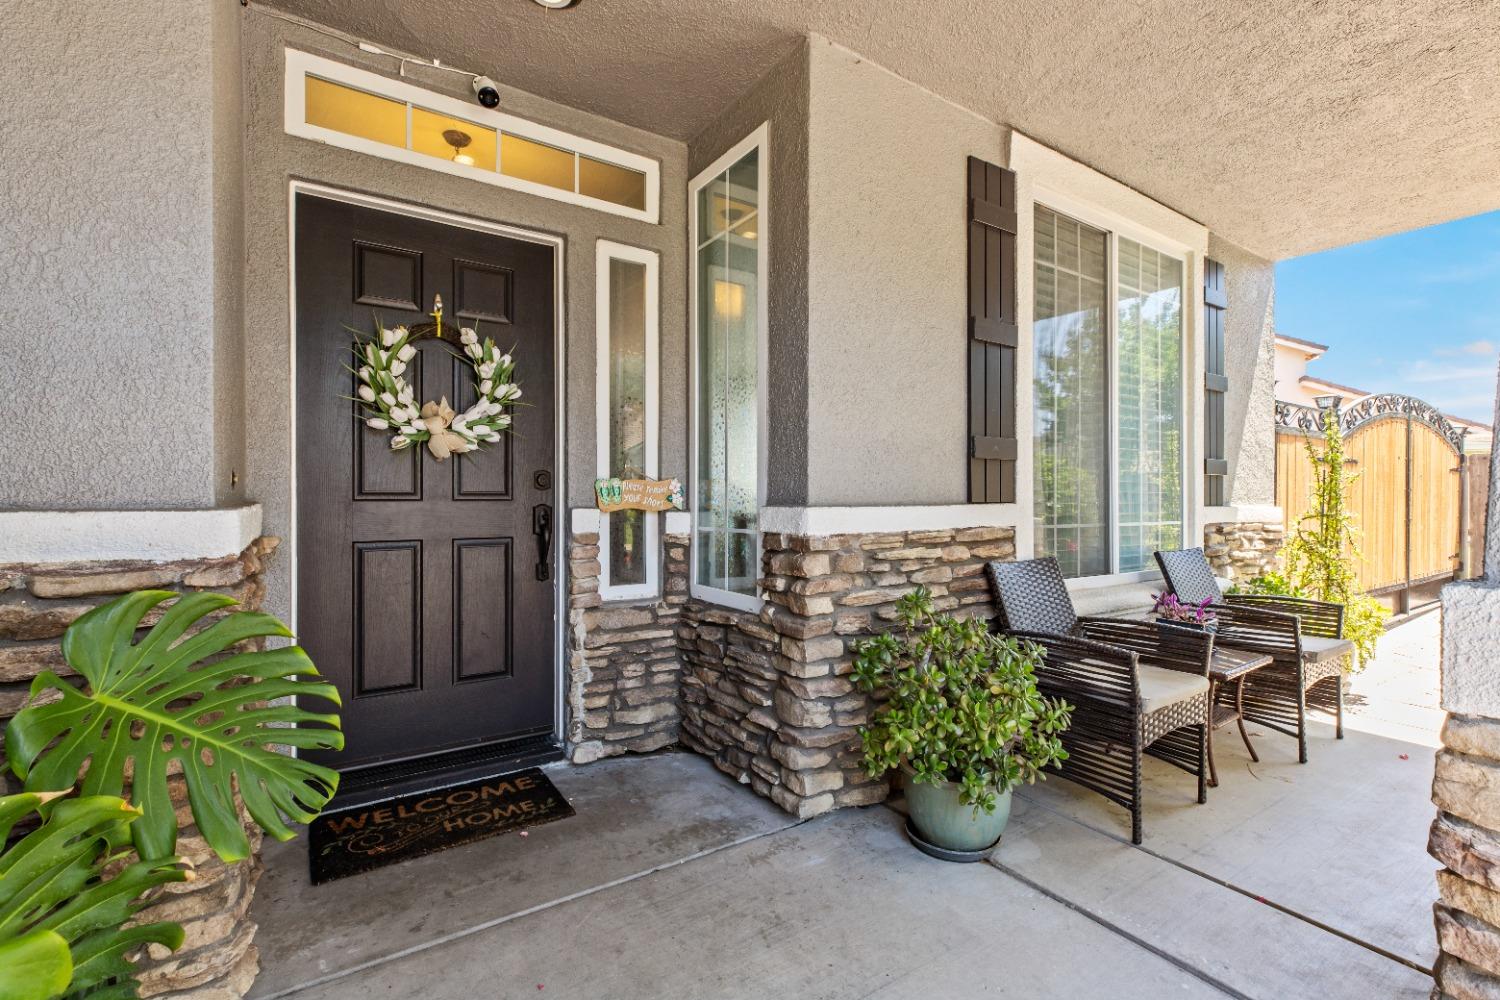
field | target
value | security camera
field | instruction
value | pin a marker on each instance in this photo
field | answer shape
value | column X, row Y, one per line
column 484, row 89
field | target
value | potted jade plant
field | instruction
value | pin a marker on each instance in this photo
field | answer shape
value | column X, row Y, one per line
column 1172, row 611
column 962, row 718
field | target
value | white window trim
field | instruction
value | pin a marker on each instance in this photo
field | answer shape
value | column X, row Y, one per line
column 1047, row 177
column 759, row 138
column 299, row 65
column 605, row 252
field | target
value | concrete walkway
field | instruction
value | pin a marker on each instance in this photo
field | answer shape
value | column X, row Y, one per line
column 640, row 896
column 673, row 881
column 1396, row 696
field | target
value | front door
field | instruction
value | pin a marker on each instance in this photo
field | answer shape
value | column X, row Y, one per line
column 425, row 590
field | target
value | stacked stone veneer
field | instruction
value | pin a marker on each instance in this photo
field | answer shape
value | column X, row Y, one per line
column 623, row 668
column 218, row 959
column 768, row 696
column 1465, row 837
column 1240, row 552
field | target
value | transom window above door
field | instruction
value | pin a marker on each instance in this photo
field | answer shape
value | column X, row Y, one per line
column 369, row 113
column 1108, row 386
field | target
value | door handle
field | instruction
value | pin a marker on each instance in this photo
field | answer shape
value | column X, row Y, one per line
column 541, row 524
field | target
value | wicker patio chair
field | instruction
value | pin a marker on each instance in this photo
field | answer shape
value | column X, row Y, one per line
column 1136, row 688
column 1304, row 637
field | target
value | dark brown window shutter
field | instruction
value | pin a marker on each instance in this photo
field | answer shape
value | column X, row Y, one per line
column 1215, row 383
column 992, row 333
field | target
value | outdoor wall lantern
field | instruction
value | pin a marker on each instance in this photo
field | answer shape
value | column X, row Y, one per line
column 1328, row 402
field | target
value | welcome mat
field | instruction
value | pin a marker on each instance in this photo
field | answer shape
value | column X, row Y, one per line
column 356, row 840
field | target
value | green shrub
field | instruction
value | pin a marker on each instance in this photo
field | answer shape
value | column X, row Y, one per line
column 1364, row 617
column 960, row 704
column 1269, row 583
column 1364, row 624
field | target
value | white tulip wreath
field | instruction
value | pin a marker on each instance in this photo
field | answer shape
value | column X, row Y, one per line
column 387, row 403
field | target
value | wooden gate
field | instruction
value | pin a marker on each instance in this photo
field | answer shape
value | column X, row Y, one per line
column 1408, row 499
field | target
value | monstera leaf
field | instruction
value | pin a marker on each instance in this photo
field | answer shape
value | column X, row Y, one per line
column 35, row 967
column 188, row 696
column 62, row 887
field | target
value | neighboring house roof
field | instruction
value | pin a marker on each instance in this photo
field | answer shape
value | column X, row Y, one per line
column 1321, row 384
column 1308, row 347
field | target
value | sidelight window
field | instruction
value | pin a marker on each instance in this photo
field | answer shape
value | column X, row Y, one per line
column 1108, row 389
column 728, row 208
column 626, row 391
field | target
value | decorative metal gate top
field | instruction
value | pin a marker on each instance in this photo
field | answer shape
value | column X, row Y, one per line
column 1308, row 419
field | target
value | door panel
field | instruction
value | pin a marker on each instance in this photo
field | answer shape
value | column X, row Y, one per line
column 387, row 616
column 418, row 590
column 387, row 276
column 482, row 571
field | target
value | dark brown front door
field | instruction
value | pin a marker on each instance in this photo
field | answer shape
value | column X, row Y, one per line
column 424, row 590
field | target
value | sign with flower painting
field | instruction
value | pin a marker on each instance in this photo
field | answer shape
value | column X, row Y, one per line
column 639, row 494
column 387, row 402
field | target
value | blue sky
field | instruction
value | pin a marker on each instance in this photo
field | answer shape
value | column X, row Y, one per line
column 1417, row 313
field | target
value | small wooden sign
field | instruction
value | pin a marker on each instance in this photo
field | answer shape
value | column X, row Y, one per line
column 638, row 494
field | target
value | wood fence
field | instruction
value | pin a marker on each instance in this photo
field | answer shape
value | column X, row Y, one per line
column 1410, row 498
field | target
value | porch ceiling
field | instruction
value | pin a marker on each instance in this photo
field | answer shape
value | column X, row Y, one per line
column 1285, row 126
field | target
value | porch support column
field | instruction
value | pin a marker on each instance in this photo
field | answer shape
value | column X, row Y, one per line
column 121, row 266
column 1244, row 542
column 1465, row 836
column 121, row 256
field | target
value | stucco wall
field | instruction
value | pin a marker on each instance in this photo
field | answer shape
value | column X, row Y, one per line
column 780, row 98
column 229, row 253
column 274, row 159
column 1250, row 403
column 887, row 281
column 108, row 212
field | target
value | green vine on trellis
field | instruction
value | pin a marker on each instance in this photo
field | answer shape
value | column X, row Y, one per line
column 1324, row 548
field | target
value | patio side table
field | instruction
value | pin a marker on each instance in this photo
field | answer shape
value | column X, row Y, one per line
column 1230, row 666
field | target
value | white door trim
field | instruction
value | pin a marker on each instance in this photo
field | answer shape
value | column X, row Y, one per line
column 605, row 252
column 560, row 486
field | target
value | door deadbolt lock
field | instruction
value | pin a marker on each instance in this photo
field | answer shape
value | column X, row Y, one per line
column 542, row 478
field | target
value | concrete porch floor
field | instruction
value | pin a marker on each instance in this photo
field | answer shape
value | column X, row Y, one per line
column 672, row 881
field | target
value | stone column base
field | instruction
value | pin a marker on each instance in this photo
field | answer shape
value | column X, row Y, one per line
column 768, row 696
column 1242, row 551
column 218, row 960
column 623, row 668
column 1465, row 837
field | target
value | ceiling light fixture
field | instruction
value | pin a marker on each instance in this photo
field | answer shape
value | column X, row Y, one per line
column 556, row 4
column 458, row 140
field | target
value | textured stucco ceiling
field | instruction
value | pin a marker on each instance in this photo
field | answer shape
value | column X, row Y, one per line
column 1287, row 126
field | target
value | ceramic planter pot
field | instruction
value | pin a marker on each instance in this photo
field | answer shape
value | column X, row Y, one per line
column 1167, row 623
column 942, row 820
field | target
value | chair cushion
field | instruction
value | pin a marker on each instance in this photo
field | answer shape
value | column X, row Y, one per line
column 1316, row 649
column 1162, row 688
